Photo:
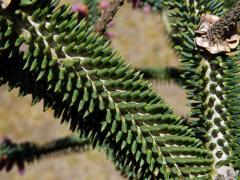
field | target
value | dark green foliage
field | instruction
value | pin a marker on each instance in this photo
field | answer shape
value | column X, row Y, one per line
column 76, row 72
column 210, row 81
column 205, row 77
column 21, row 153
column 196, row 69
column 158, row 5
column 93, row 11
column 231, row 69
column 229, row 3
column 168, row 74
column 24, row 80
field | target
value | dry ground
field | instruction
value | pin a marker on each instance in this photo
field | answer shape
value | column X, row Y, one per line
column 140, row 38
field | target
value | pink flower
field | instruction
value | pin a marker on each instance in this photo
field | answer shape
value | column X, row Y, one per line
column 104, row 5
column 110, row 35
column 21, row 171
column 81, row 9
column 6, row 141
column 21, row 168
column 111, row 24
column 135, row 3
column 147, row 9
column 75, row 8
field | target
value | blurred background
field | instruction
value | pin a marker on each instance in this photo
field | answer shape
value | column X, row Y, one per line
column 141, row 39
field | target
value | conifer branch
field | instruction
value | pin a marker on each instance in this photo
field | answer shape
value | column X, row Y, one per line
column 169, row 74
column 21, row 153
column 86, row 83
column 93, row 11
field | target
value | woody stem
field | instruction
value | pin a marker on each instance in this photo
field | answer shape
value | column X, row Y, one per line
column 108, row 15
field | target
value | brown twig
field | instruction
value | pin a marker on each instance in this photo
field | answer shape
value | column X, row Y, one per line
column 108, row 15
column 226, row 24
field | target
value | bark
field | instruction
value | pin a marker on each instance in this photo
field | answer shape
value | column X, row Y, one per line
column 108, row 15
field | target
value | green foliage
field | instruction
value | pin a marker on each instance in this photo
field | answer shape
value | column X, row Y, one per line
column 78, row 74
column 210, row 81
column 207, row 82
column 21, row 153
column 168, row 74
column 158, row 5
column 93, row 11
column 229, row 3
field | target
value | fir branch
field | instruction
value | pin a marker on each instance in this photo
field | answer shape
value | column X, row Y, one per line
column 210, row 81
column 88, row 84
column 21, row 153
column 93, row 11
column 162, row 74
column 230, row 3
column 207, row 80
